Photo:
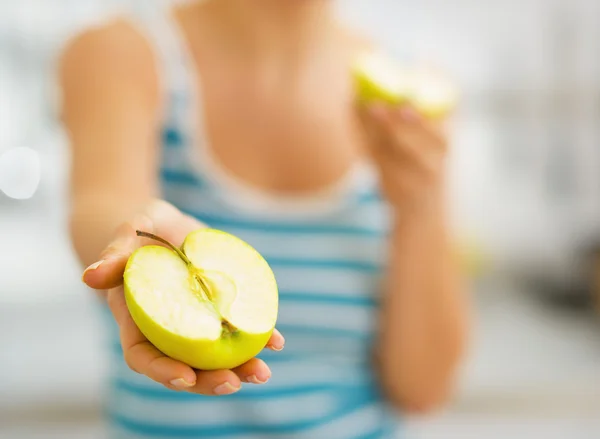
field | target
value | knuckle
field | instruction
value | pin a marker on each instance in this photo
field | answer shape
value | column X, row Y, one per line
column 112, row 249
column 129, row 358
column 132, row 357
column 123, row 237
column 141, row 221
column 158, row 210
column 152, row 363
column 157, row 203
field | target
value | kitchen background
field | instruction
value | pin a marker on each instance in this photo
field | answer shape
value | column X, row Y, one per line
column 525, row 179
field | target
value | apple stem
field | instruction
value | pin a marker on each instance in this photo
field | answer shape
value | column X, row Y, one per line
column 182, row 255
column 165, row 242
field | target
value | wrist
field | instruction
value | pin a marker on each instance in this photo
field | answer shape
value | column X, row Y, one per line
column 429, row 208
column 421, row 229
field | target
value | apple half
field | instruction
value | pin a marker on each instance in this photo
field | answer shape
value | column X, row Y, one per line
column 379, row 78
column 211, row 304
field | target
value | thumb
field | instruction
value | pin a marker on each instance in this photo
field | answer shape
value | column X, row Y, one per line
column 159, row 218
column 107, row 272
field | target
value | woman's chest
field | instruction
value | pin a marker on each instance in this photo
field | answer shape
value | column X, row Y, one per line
column 298, row 141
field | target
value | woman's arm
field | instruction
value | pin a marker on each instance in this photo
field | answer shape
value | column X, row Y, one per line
column 110, row 101
column 423, row 322
column 424, row 306
column 110, row 110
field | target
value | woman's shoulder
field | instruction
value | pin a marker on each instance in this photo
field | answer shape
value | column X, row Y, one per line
column 113, row 55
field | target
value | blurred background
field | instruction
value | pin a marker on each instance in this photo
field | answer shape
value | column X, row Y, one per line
column 525, row 179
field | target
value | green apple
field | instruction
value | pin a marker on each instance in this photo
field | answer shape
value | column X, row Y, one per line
column 379, row 78
column 211, row 304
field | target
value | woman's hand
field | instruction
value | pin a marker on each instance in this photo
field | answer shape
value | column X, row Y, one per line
column 410, row 152
column 141, row 356
column 424, row 313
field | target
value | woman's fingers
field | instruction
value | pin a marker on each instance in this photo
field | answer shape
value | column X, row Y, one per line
column 140, row 355
column 159, row 218
column 145, row 359
column 402, row 135
column 406, row 119
column 226, row 382
column 216, row 383
column 276, row 342
column 254, row 371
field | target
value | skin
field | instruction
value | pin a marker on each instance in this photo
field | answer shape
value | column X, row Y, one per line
column 261, row 72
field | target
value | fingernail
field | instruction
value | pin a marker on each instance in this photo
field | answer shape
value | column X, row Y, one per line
column 255, row 380
column 92, row 267
column 225, row 389
column 409, row 114
column 279, row 347
column 180, row 383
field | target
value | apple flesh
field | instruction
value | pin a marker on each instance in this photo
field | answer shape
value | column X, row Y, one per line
column 378, row 78
column 211, row 304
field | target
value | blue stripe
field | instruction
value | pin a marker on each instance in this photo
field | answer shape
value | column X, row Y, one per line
column 322, row 264
column 172, row 137
column 278, row 227
column 197, row 431
column 292, row 296
column 170, row 176
column 183, row 177
column 267, row 354
column 369, row 197
column 270, row 356
column 323, row 332
column 189, row 178
column 257, row 393
column 385, row 429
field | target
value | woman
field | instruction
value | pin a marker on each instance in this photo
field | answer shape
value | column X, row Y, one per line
column 241, row 115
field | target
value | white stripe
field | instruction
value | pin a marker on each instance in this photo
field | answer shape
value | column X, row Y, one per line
column 116, row 432
column 284, row 374
column 326, row 347
column 356, row 424
column 349, row 318
column 213, row 411
column 335, row 282
column 353, row 425
column 373, row 215
column 354, row 248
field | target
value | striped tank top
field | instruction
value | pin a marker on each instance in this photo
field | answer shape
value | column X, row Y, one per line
column 326, row 251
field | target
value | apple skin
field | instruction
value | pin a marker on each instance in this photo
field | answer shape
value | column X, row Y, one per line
column 368, row 91
column 225, row 353
column 435, row 112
